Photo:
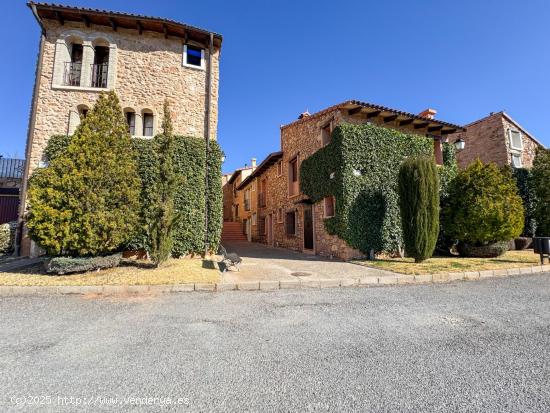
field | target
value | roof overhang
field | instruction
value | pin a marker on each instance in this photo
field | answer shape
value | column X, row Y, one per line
column 270, row 160
column 400, row 118
column 116, row 20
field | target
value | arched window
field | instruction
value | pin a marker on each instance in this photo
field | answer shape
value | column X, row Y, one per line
column 100, row 67
column 73, row 67
column 148, row 122
column 130, row 115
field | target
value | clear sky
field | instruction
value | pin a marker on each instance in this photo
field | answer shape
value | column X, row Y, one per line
column 464, row 58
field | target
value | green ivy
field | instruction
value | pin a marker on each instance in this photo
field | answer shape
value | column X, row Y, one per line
column 364, row 163
column 190, row 202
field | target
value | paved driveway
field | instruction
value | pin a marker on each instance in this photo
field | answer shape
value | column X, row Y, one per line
column 261, row 262
column 465, row 346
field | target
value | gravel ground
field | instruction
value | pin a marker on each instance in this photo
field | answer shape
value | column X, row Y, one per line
column 465, row 346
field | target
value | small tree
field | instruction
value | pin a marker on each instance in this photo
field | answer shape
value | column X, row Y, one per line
column 86, row 201
column 163, row 216
column 419, row 205
column 483, row 205
column 541, row 189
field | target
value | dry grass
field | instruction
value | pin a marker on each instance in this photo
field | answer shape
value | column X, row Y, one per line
column 511, row 259
column 175, row 271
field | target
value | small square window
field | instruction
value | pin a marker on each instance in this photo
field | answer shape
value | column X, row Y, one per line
column 515, row 139
column 193, row 56
column 516, row 161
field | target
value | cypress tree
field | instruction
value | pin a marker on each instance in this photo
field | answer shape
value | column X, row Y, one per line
column 419, row 205
column 86, row 201
column 164, row 215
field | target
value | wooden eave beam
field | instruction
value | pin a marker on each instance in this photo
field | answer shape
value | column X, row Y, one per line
column 355, row 110
column 139, row 27
column 86, row 20
column 60, row 18
column 406, row 122
column 373, row 114
column 448, row 131
column 421, row 125
column 113, row 23
column 390, row 118
column 435, row 128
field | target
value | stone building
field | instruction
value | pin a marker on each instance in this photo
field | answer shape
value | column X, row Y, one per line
column 496, row 138
column 280, row 215
column 145, row 60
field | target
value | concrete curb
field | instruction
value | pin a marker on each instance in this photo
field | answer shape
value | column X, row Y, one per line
column 369, row 281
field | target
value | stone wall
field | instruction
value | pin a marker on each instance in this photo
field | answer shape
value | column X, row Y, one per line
column 144, row 71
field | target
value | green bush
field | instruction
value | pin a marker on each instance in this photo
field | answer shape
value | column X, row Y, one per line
column 5, row 238
column 363, row 160
column 67, row 265
column 447, row 172
column 86, row 201
column 189, row 201
column 164, row 215
column 483, row 205
column 56, row 146
column 541, row 189
column 419, row 206
column 526, row 191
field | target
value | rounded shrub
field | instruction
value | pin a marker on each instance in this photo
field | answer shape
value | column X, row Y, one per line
column 541, row 188
column 419, row 206
column 483, row 207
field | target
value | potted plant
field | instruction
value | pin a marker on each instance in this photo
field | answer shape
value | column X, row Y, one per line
column 484, row 211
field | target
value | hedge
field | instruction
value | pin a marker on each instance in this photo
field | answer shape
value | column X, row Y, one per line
column 68, row 265
column 365, row 162
column 190, row 157
column 526, row 191
column 190, row 200
column 541, row 189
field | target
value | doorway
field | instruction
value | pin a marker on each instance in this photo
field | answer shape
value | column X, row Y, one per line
column 308, row 227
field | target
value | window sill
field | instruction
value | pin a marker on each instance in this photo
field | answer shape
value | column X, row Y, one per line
column 201, row 68
column 81, row 88
column 516, row 150
column 142, row 137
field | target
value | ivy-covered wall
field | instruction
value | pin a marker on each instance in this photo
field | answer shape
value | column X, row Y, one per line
column 190, row 200
column 359, row 168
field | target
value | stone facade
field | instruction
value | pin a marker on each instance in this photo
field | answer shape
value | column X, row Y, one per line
column 144, row 70
column 299, row 140
column 488, row 140
column 144, row 66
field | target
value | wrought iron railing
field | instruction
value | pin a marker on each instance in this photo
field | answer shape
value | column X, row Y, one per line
column 11, row 168
column 99, row 75
column 71, row 76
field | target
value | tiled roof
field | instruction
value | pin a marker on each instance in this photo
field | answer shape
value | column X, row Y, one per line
column 349, row 103
column 266, row 163
column 49, row 10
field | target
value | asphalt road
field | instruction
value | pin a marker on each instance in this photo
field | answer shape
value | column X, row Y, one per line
column 465, row 346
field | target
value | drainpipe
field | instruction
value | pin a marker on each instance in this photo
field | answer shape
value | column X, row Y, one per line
column 30, row 134
column 207, row 129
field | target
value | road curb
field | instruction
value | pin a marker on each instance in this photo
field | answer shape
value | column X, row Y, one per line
column 369, row 281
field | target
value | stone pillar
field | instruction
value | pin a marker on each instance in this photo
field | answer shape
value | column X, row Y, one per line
column 61, row 57
column 111, row 71
column 87, row 61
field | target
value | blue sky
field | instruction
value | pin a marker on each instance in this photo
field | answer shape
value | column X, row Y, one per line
column 464, row 58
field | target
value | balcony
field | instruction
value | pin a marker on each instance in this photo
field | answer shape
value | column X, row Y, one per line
column 99, row 75
column 71, row 74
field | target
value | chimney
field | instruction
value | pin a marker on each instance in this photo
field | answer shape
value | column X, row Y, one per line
column 428, row 113
column 253, row 162
column 305, row 114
